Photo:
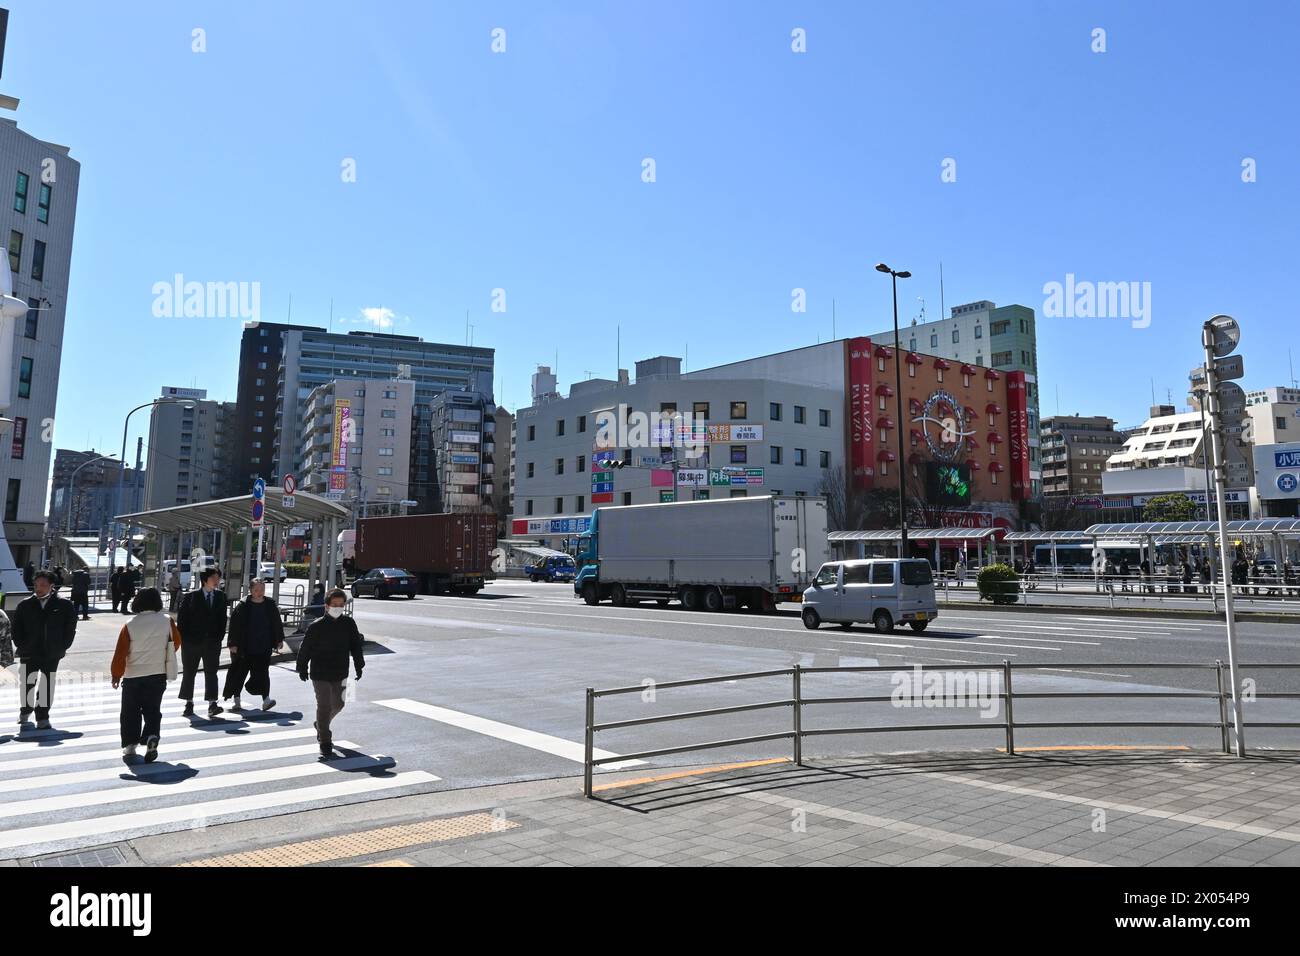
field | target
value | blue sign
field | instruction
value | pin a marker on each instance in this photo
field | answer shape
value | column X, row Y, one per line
column 1286, row 459
column 1287, row 482
column 600, row 487
column 259, row 488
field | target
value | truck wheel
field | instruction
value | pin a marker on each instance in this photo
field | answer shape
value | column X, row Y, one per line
column 811, row 619
column 691, row 599
column 590, row 595
column 884, row 623
column 618, row 595
column 767, row 603
column 712, row 599
column 533, row 578
column 920, row 626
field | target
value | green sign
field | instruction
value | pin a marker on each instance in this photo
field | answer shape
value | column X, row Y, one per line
column 665, row 496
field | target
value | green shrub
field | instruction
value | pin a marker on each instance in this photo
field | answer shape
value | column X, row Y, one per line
column 999, row 583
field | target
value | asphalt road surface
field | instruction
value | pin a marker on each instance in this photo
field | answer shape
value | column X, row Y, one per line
column 461, row 692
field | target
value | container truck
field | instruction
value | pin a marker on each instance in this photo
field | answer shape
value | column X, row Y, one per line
column 709, row 555
column 446, row 553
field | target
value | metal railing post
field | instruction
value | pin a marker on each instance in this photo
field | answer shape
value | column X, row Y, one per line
column 588, row 743
column 1011, row 721
column 798, row 717
column 1223, row 706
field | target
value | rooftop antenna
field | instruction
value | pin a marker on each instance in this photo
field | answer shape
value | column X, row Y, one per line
column 1290, row 367
column 833, row 335
column 1153, row 391
column 943, row 312
column 331, row 313
column 687, row 361
column 290, row 316
column 467, row 326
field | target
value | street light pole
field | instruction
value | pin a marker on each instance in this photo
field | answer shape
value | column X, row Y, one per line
column 898, row 397
column 121, row 475
column 72, row 488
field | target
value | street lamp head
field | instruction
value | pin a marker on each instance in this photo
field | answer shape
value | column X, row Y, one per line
column 904, row 274
column 881, row 267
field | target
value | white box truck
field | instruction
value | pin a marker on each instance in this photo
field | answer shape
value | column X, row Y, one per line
column 709, row 555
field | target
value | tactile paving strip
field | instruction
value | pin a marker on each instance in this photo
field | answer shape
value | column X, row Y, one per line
column 364, row 843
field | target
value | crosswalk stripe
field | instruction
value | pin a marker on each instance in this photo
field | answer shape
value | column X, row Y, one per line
column 96, row 798
column 15, row 747
column 141, row 772
column 492, row 728
column 56, row 759
column 61, row 723
column 150, row 820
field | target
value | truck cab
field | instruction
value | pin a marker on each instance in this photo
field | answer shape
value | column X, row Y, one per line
column 555, row 567
column 588, row 560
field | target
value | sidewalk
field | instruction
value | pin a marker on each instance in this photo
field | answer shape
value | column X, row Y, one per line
column 1050, row 807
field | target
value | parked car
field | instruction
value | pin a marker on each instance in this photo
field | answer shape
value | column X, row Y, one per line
column 267, row 570
column 384, row 582
column 885, row 591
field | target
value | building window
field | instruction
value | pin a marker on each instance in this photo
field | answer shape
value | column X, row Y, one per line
column 1001, row 358
column 979, row 331
column 360, row 393
column 388, row 433
column 43, row 204
column 388, row 413
column 801, row 457
column 739, row 454
column 1281, row 424
column 627, row 497
column 529, row 472
column 11, row 499
column 390, row 393
column 15, row 249
column 33, row 317
column 582, row 423
column 956, row 336
column 668, row 407
column 532, row 432
column 582, row 464
column 911, row 345
column 999, row 328
column 385, row 453
column 38, row 261
column 774, row 411
column 559, row 428
column 25, row 378
column 800, row 414
column 559, row 506
column 934, row 340
column 20, row 194
column 262, row 366
column 579, row 503
column 559, row 466
column 739, row 493
column 775, row 457
column 384, row 471
column 824, row 417
column 824, row 459
column 739, row 410
column 528, row 506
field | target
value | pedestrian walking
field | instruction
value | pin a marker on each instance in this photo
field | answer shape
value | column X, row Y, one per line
column 202, row 623
column 961, row 568
column 44, row 627
column 256, row 630
column 81, row 593
column 173, row 588
column 143, row 662
column 29, row 575
column 126, row 586
column 114, row 582
column 323, row 657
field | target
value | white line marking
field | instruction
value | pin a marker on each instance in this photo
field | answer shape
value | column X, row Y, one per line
column 145, row 821
column 492, row 728
column 143, row 771
column 22, row 746
column 53, row 758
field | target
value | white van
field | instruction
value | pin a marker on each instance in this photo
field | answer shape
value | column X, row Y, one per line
column 168, row 566
column 884, row 591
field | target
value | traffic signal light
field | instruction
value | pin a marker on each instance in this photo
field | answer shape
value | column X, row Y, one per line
column 618, row 464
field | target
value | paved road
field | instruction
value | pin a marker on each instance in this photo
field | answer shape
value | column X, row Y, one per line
column 462, row 692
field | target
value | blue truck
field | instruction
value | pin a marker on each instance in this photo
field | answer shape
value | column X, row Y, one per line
column 553, row 568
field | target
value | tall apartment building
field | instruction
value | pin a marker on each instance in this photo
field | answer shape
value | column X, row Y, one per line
column 252, row 451
column 312, row 357
column 92, row 497
column 354, row 443
column 463, row 439
column 980, row 333
column 188, row 448
column 505, row 459
column 37, row 223
column 1074, row 451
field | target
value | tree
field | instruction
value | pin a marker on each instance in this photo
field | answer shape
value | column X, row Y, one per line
column 1061, row 513
column 1175, row 507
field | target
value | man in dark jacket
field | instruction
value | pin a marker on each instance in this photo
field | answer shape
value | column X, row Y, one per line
column 202, row 623
column 126, row 587
column 323, row 656
column 256, row 629
column 29, row 575
column 44, row 626
column 114, row 587
column 81, row 593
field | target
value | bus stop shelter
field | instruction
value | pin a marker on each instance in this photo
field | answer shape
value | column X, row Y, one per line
column 232, row 517
column 1277, row 531
column 932, row 536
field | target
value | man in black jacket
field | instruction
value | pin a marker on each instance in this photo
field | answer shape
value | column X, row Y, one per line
column 44, row 626
column 323, row 656
column 81, row 593
column 202, row 623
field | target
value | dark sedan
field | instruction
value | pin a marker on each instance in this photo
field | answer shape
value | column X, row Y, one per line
column 384, row 582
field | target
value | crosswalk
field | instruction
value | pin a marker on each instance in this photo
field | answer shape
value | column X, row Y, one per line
column 68, row 788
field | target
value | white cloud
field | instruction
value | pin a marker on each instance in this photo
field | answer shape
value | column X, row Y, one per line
column 379, row 318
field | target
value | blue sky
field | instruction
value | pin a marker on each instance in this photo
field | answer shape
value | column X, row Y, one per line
column 774, row 170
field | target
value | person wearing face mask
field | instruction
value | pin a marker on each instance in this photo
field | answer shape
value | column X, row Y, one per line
column 323, row 657
column 44, row 626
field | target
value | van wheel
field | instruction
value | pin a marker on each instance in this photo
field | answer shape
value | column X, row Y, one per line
column 691, row 599
column 712, row 599
column 590, row 595
column 884, row 623
column 920, row 626
column 618, row 595
column 811, row 619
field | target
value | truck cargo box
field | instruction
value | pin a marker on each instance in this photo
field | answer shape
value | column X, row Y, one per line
column 442, row 550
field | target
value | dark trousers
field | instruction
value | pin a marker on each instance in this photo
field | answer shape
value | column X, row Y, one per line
column 174, row 598
column 38, row 687
column 126, row 603
column 81, row 605
column 142, row 708
column 329, row 701
column 253, row 668
column 207, row 654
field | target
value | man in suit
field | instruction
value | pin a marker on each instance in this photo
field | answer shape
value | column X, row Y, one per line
column 202, row 623
column 44, row 626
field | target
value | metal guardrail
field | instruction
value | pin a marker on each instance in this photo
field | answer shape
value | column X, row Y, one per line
column 797, row 702
column 1156, row 588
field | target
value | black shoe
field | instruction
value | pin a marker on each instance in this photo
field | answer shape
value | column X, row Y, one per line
column 24, row 716
column 151, row 750
column 189, row 709
column 214, row 708
column 326, row 750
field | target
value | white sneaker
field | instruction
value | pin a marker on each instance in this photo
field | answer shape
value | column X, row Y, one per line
column 268, row 703
column 129, row 750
